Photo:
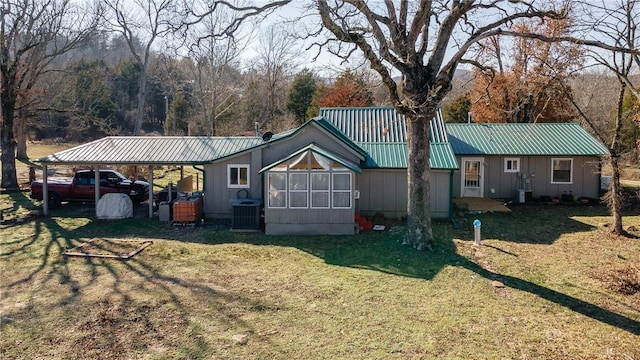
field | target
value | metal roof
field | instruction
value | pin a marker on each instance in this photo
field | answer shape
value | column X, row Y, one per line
column 154, row 150
column 318, row 150
column 562, row 139
column 382, row 133
column 385, row 155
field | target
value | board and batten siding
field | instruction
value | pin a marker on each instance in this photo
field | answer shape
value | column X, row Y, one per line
column 218, row 197
column 537, row 172
column 385, row 191
column 279, row 150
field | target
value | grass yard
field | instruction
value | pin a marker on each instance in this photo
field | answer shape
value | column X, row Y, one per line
column 548, row 282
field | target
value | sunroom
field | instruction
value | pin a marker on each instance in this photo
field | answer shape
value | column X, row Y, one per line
column 311, row 191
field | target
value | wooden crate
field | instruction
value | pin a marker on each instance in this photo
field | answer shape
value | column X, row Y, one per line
column 187, row 210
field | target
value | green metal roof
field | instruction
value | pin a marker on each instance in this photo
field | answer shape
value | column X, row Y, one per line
column 154, row 150
column 395, row 155
column 318, row 150
column 523, row 139
column 381, row 132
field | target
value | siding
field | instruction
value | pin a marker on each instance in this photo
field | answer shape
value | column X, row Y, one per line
column 537, row 169
column 386, row 191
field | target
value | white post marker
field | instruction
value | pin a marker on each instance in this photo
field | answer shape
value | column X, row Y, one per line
column 476, row 232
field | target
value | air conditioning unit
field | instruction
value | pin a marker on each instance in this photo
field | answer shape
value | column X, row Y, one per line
column 246, row 215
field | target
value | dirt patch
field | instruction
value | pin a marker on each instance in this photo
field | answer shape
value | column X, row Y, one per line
column 623, row 280
column 121, row 330
column 108, row 248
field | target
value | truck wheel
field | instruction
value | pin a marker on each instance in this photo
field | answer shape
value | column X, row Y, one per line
column 54, row 200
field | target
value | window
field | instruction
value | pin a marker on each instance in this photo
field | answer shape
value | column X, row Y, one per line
column 320, row 190
column 561, row 171
column 511, row 165
column 277, row 190
column 237, row 176
column 310, row 181
column 341, row 191
column 298, row 190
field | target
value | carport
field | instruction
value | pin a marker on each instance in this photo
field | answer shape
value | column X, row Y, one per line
column 139, row 151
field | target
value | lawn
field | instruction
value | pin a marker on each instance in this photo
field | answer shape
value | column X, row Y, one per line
column 547, row 282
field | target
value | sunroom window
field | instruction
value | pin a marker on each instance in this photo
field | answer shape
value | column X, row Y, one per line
column 310, row 181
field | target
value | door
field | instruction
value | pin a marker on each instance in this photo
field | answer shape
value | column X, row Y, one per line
column 472, row 177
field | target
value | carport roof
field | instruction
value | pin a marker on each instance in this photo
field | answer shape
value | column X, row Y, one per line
column 153, row 150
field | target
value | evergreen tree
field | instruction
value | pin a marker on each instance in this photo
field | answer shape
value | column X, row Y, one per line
column 301, row 93
column 457, row 111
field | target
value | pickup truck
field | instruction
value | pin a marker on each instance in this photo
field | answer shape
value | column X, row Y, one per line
column 81, row 187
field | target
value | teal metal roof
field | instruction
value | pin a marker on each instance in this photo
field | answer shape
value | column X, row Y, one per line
column 318, row 150
column 395, row 155
column 523, row 139
column 327, row 126
column 154, row 150
column 382, row 133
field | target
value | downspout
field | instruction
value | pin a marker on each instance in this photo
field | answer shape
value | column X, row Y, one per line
column 204, row 193
column 204, row 180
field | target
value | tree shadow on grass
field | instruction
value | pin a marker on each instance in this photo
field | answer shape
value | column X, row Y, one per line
column 536, row 224
column 35, row 250
column 382, row 252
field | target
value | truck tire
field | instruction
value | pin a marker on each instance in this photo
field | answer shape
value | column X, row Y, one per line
column 54, row 200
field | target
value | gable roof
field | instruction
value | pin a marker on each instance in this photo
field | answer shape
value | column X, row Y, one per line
column 326, row 126
column 178, row 150
column 382, row 133
column 317, row 150
column 154, row 150
column 554, row 139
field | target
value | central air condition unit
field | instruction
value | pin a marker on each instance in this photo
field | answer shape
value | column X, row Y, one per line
column 246, row 215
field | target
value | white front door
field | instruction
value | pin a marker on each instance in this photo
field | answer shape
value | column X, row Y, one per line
column 472, row 177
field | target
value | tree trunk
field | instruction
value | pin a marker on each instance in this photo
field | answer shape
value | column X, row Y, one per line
column 142, row 94
column 8, row 143
column 21, row 139
column 419, row 234
column 616, row 198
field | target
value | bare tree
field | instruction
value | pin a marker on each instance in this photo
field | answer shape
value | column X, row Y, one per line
column 424, row 41
column 32, row 35
column 276, row 63
column 215, row 67
column 617, row 24
column 142, row 21
column 149, row 20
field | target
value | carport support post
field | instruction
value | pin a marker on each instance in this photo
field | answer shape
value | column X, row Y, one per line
column 96, row 173
column 150, row 191
column 45, row 191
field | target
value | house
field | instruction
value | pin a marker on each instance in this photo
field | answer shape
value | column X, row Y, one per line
column 314, row 179
column 525, row 161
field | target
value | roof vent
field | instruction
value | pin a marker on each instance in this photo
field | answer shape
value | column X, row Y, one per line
column 267, row 136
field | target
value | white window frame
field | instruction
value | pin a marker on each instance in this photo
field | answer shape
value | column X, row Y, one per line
column 297, row 173
column 334, row 191
column 238, row 166
column 512, row 160
column 553, row 161
column 283, row 192
column 327, row 192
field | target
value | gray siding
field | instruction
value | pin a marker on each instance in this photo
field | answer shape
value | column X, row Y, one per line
column 218, row 197
column 537, row 177
column 386, row 191
column 311, row 134
column 309, row 221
